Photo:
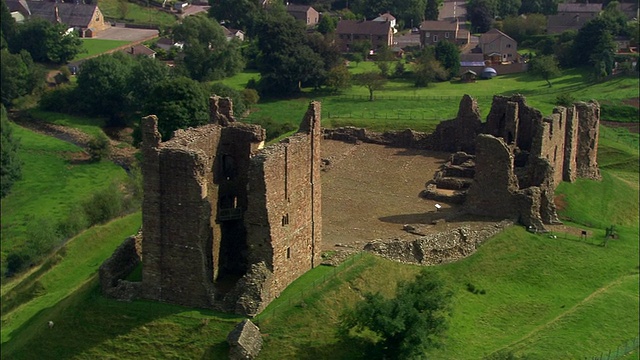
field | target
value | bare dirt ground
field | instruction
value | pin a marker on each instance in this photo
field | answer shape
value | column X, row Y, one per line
column 371, row 191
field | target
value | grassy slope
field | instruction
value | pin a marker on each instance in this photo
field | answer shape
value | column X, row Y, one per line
column 51, row 185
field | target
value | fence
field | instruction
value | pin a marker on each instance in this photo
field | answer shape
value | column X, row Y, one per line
column 619, row 352
column 298, row 297
column 455, row 98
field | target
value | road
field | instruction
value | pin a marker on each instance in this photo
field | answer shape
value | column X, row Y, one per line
column 452, row 9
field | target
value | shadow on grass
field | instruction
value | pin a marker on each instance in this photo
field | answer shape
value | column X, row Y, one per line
column 85, row 319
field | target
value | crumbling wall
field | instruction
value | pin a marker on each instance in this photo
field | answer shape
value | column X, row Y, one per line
column 569, row 166
column 458, row 134
column 116, row 268
column 227, row 224
column 588, row 132
column 285, row 203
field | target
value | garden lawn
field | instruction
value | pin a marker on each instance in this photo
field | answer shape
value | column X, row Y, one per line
column 137, row 14
column 93, row 47
column 52, row 184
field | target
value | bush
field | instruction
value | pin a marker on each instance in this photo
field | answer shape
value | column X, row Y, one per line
column 62, row 99
column 16, row 262
column 565, row 99
column 75, row 222
column 250, row 96
column 42, row 237
column 99, row 147
column 104, row 205
column 274, row 130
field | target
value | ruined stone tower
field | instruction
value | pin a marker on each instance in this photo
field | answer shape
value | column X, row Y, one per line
column 227, row 223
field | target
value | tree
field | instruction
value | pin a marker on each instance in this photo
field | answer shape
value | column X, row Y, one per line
column 361, row 47
column 432, row 9
column 372, row 80
column 545, row 66
column 481, row 13
column 508, row 7
column 11, row 169
column 407, row 325
column 544, row 7
column 593, row 41
column 207, row 54
column 19, row 75
column 178, row 103
column 104, row 81
column 524, row 26
column 448, row 55
column 286, row 60
column 46, row 42
column 427, row 69
column 327, row 24
column 338, row 78
column 238, row 14
column 7, row 25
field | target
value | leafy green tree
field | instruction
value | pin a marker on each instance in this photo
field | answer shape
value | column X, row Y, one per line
column 327, row 24
column 99, row 147
column 145, row 73
column 545, row 7
column 11, row 169
column 481, row 13
column 338, row 78
column 593, row 41
column 432, row 9
column 7, row 25
column 286, row 60
column 46, row 42
column 207, row 54
column 104, row 81
column 372, row 80
column 545, row 66
column 408, row 325
column 19, row 75
column 508, row 7
column 448, row 55
column 178, row 103
column 238, row 14
column 522, row 27
column 426, row 72
column 361, row 47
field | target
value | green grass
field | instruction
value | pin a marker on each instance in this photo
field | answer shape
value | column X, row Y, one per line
column 137, row 14
column 51, row 184
column 93, row 47
column 88, row 125
column 402, row 105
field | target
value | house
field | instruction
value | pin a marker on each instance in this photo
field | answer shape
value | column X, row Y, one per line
column 87, row 19
column 498, row 46
column 387, row 17
column 350, row 31
column 572, row 16
column 231, row 34
column 140, row 50
column 431, row 32
column 305, row 13
column 167, row 44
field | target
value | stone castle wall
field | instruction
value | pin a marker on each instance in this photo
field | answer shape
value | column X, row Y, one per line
column 214, row 211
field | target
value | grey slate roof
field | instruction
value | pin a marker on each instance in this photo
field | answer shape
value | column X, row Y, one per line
column 363, row 27
column 73, row 15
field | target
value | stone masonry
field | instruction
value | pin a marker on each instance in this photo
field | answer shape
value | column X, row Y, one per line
column 512, row 163
column 228, row 224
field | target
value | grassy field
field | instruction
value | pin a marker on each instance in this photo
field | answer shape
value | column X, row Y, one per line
column 546, row 298
column 402, row 105
column 94, row 47
column 52, row 184
column 137, row 14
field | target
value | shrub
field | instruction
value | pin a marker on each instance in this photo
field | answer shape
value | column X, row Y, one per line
column 16, row 262
column 99, row 147
column 42, row 237
column 73, row 223
column 250, row 96
column 104, row 205
column 565, row 99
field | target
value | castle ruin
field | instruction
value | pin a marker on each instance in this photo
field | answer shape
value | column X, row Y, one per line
column 227, row 222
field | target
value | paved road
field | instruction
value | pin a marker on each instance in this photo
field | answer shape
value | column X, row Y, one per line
column 452, row 9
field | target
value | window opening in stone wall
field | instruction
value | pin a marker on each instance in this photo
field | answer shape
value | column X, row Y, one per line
column 285, row 220
column 555, row 154
column 228, row 167
column 288, row 253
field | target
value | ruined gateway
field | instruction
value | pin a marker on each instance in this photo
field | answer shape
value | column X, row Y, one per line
column 228, row 224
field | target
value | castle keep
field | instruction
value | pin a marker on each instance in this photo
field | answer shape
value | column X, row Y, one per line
column 227, row 224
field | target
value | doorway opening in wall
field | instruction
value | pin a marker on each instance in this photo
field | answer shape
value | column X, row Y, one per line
column 232, row 259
